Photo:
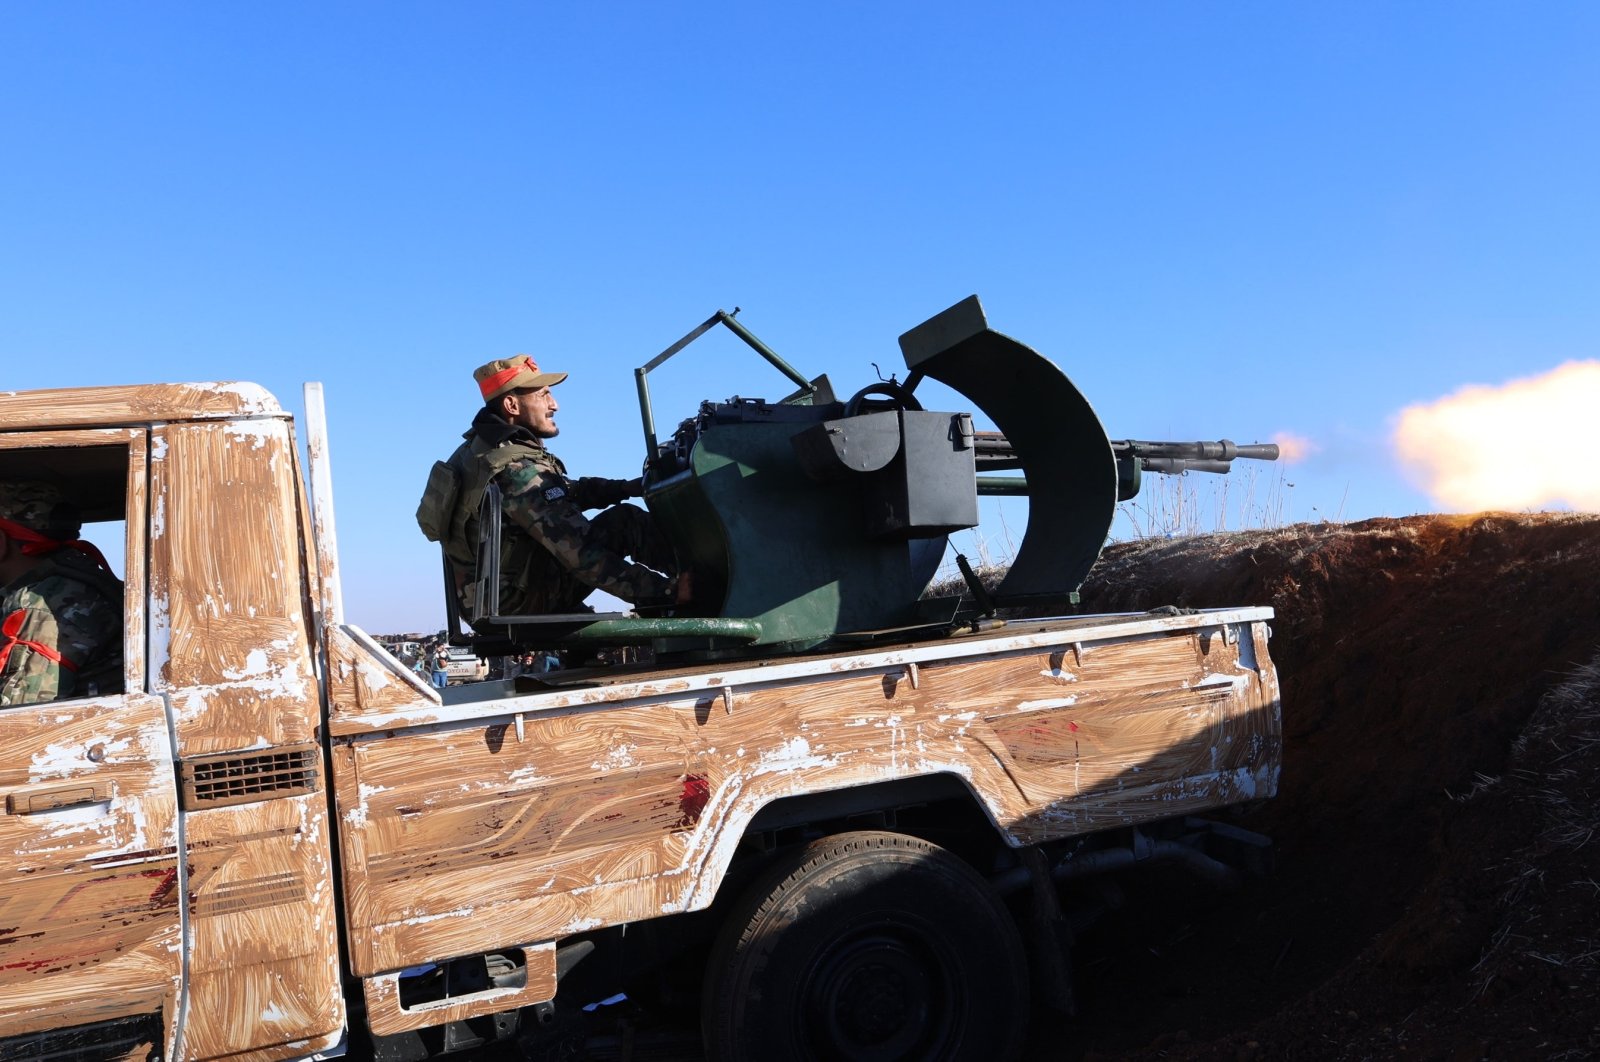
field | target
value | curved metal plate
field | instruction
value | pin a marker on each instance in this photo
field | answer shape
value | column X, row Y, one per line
column 1064, row 451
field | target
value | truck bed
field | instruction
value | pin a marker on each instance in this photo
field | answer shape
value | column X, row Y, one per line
column 482, row 817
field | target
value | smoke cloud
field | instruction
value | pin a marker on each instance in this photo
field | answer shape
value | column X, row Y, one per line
column 1525, row 444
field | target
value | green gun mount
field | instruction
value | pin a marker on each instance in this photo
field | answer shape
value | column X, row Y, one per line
column 819, row 518
column 810, row 520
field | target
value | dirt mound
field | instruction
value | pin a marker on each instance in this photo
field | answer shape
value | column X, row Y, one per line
column 1436, row 893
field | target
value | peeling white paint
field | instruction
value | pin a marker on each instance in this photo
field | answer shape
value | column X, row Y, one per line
column 376, row 678
column 422, row 920
column 270, row 674
column 160, row 638
column 251, row 398
column 255, row 663
column 61, row 760
column 1212, row 679
column 255, row 434
column 1046, row 703
column 618, row 757
column 793, row 755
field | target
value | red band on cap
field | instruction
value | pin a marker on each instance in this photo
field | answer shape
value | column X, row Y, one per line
column 490, row 384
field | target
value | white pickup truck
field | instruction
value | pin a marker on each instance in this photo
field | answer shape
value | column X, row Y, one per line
column 461, row 664
column 273, row 837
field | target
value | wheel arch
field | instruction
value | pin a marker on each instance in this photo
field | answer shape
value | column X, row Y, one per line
column 943, row 797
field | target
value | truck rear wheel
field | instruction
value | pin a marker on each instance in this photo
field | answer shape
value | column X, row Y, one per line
column 867, row 946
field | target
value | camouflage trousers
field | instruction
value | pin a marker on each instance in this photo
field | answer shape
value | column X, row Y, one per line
column 625, row 530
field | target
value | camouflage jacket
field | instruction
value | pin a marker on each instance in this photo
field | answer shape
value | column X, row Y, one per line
column 538, row 497
column 64, row 606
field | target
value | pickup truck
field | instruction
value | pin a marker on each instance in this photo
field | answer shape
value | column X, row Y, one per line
column 463, row 665
column 276, row 842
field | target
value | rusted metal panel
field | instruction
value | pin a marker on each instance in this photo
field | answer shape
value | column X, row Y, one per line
column 462, row 835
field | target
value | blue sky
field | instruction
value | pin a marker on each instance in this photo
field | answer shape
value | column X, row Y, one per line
column 1220, row 219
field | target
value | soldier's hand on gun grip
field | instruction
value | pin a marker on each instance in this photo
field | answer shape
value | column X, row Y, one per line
column 598, row 492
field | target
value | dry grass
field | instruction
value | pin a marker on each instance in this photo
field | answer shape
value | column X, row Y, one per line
column 1249, row 498
column 1167, row 507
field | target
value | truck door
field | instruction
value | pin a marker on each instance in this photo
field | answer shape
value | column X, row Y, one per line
column 91, row 886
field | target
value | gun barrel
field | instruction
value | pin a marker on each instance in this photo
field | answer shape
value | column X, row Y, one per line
column 1172, row 466
column 1221, row 450
column 994, row 453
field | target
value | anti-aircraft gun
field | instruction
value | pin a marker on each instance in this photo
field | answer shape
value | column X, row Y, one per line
column 812, row 520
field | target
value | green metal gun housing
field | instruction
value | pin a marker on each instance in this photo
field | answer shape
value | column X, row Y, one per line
column 810, row 519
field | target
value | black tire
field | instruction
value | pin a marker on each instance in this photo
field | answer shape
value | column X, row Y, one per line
column 869, row 947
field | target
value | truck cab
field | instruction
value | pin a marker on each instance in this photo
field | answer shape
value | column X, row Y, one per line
column 167, row 848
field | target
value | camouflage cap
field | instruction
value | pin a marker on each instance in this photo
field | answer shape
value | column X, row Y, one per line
column 512, row 374
column 39, row 507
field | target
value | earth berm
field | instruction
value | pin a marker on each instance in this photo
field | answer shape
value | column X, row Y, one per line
column 1437, row 885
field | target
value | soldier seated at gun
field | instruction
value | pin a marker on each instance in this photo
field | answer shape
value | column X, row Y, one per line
column 60, row 605
column 562, row 555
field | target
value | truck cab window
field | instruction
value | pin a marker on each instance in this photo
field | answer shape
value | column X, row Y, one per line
column 62, row 548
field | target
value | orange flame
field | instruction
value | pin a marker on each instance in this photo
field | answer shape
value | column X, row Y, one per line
column 1521, row 445
column 1294, row 448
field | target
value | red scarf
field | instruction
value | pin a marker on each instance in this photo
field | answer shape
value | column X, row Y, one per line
column 13, row 627
column 36, row 545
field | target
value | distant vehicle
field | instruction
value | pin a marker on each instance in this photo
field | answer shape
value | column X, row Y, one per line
column 463, row 665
